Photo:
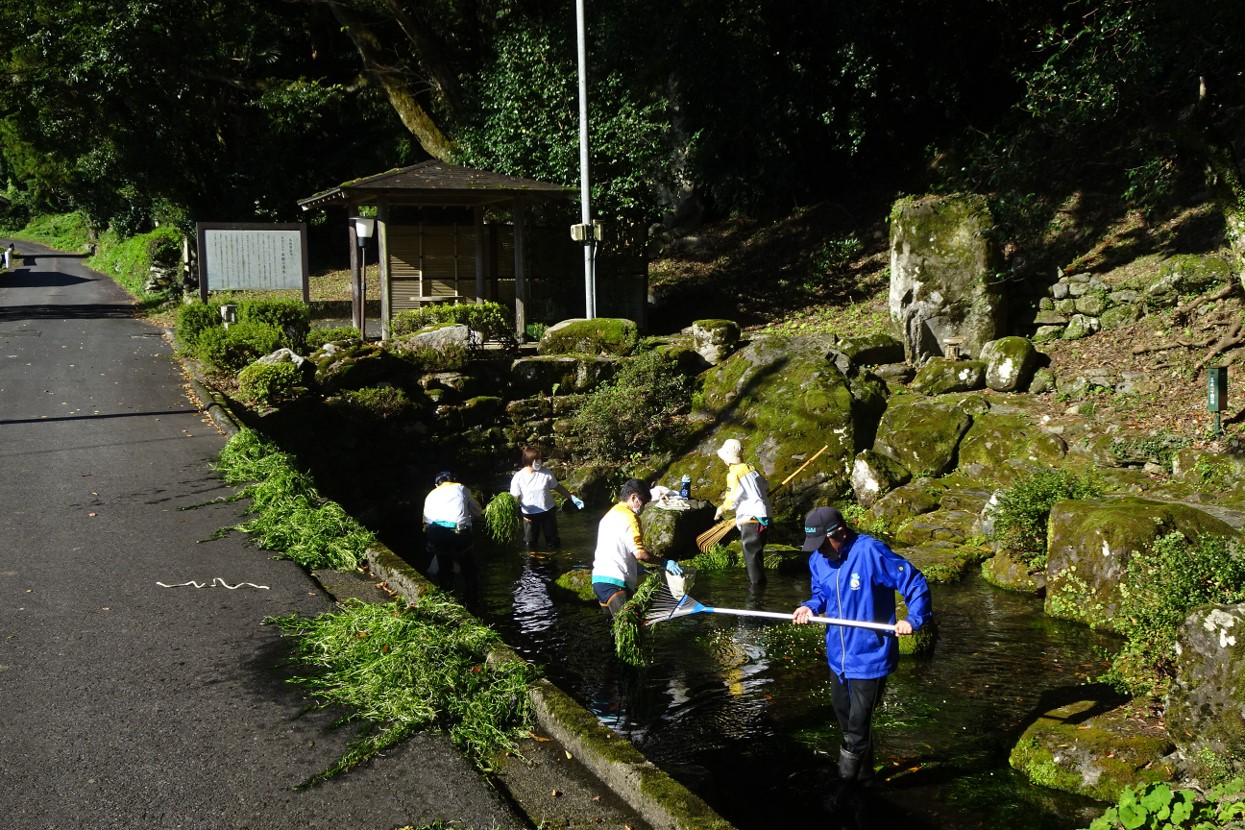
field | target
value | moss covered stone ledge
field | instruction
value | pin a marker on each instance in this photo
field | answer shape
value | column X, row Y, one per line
column 609, row 336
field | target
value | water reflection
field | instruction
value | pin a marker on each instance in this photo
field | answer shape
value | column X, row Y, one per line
column 738, row 708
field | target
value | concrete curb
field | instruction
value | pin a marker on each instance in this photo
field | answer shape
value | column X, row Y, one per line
column 659, row 799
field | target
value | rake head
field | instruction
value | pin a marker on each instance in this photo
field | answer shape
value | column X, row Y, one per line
column 671, row 600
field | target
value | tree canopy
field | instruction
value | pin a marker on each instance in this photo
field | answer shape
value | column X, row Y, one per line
column 205, row 109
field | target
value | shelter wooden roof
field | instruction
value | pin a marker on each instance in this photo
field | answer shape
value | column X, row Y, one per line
column 436, row 183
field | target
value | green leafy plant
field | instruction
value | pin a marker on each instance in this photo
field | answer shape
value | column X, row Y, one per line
column 270, row 383
column 1159, row 807
column 1020, row 522
column 403, row 669
column 230, row 349
column 629, row 624
column 1163, row 585
column 291, row 318
column 638, row 412
column 318, row 337
column 192, row 320
column 493, row 320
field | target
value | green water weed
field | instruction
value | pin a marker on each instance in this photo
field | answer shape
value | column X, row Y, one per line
column 629, row 623
column 501, row 518
column 401, row 669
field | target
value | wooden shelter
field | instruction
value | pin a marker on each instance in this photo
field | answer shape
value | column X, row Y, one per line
column 439, row 241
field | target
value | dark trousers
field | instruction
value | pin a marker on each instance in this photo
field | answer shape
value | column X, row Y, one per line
column 854, row 702
column 752, row 536
column 450, row 547
column 535, row 524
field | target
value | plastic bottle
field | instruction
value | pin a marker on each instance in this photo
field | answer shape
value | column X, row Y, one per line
column 685, row 488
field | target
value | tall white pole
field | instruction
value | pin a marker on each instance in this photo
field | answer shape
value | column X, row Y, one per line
column 585, row 208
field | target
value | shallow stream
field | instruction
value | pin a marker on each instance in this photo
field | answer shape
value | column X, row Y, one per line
column 738, row 708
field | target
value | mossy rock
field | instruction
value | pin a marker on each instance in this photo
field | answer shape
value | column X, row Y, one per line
column 783, row 400
column 715, row 339
column 560, row 375
column 609, row 336
column 576, row 584
column 1207, row 696
column 670, row 528
column 942, row 525
column 874, row 475
column 922, row 434
column 919, row 643
column 359, row 366
column 1221, row 475
column 940, row 376
column 1188, row 274
column 1010, row 363
column 1080, row 748
column 1092, row 541
column 903, row 503
column 1007, row 572
column 995, row 437
column 942, row 561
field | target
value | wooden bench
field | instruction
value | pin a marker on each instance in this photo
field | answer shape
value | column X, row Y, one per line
column 436, row 299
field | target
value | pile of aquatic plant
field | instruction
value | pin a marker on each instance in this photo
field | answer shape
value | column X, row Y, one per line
column 501, row 517
column 289, row 515
column 1159, row 807
column 1163, row 585
column 628, row 640
column 404, row 669
column 1022, row 517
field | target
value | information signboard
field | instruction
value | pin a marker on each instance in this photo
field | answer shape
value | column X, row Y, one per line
column 252, row 257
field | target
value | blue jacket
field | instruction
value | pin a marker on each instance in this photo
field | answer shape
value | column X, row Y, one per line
column 861, row 585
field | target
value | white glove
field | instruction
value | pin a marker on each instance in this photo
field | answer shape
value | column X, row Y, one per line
column 717, row 514
column 672, row 567
column 578, row 502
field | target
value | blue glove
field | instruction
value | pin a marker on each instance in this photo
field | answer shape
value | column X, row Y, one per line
column 673, row 567
column 578, row 502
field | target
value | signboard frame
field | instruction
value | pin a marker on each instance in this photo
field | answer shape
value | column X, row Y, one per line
column 204, row 229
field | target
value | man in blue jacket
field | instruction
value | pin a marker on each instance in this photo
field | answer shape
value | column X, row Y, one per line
column 855, row 577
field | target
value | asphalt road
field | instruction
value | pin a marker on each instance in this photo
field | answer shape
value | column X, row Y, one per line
column 124, row 704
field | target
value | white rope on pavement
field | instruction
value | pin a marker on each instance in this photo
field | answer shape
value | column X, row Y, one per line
column 215, row 580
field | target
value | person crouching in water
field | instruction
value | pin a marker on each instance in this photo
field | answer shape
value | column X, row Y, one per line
column 747, row 494
column 855, row 577
column 449, row 511
column 534, row 487
column 620, row 549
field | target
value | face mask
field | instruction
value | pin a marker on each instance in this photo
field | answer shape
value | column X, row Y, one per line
column 536, row 464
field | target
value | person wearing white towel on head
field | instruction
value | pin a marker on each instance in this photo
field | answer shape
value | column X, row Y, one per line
column 449, row 511
column 747, row 494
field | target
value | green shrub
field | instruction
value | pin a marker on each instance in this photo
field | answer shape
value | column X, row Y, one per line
column 230, row 349
column 380, row 402
column 270, row 383
column 318, row 337
column 291, row 318
column 1163, row 585
column 1159, row 807
column 129, row 259
column 192, row 320
column 1020, row 522
column 535, row 331
column 492, row 320
column 637, row 413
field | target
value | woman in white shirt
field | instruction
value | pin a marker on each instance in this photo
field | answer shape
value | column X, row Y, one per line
column 534, row 487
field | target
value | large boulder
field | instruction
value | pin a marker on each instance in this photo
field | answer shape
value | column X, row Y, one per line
column 874, row 475
column 671, row 525
column 853, row 353
column 1010, row 363
column 783, row 400
column 1093, row 748
column 560, row 375
column 995, row 437
column 1206, row 703
column 921, row 434
column 944, row 261
column 1184, row 275
column 1090, row 543
column 940, row 376
column 610, row 336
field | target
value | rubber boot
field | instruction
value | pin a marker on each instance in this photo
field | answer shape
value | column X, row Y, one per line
column 849, row 768
column 864, row 776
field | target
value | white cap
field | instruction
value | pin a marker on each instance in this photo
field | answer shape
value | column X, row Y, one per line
column 730, row 451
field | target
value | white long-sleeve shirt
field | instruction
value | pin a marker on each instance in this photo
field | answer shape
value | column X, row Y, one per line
column 451, row 505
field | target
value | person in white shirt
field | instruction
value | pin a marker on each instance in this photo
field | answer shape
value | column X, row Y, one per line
column 620, row 549
column 449, row 511
column 747, row 493
column 534, row 487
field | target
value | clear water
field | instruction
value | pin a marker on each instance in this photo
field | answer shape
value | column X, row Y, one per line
column 738, row 708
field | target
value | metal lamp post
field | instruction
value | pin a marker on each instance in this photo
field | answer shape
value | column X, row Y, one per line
column 364, row 228
column 584, row 231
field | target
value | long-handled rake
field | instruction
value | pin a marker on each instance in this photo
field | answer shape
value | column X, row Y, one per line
column 670, row 601
column 716, row 533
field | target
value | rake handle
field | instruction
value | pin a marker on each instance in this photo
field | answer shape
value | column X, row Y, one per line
column 778, row 615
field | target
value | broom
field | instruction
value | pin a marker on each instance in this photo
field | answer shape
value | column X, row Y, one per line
column 716, row 533
column 666, row 605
